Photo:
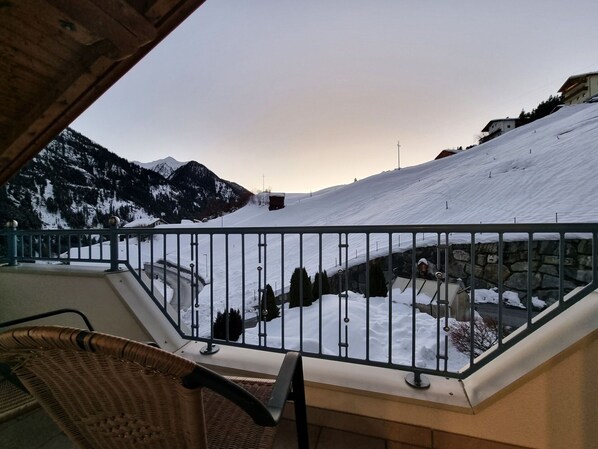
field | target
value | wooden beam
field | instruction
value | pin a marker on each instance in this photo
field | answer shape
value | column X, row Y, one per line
column 52, row 23
column 114, row 20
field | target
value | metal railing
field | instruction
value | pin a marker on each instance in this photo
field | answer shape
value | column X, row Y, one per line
column 193, row 274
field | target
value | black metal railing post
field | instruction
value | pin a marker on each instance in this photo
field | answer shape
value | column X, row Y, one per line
column 12, row 225
column 113, row 223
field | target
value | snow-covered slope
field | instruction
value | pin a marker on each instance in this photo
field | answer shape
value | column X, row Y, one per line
column 536, row 173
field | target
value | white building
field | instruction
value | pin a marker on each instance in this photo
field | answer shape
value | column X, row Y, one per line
column 495, row 128
column 579, row 88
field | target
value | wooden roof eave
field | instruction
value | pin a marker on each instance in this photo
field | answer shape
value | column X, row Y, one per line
column 103, row 63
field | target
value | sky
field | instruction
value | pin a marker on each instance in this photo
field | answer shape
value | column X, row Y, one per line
column 290, row 96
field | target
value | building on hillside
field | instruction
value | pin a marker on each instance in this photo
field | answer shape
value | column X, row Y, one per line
column 276, row 201
column 579, row 88
column 149, row 222
column 448, row 152
column 497, row 127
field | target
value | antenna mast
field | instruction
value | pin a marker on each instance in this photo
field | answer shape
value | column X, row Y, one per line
column 398, row 155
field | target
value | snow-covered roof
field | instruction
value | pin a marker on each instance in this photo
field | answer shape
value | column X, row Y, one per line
column 143, row 222
column 574, row 79
column 498, row 120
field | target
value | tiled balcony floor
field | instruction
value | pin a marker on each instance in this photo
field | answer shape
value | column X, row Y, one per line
column 35, row 430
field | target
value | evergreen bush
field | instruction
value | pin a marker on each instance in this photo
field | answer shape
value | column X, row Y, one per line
column 377, row 280
column 325, row 285
column 300, row 277
column 268, row 308
column 235, row 325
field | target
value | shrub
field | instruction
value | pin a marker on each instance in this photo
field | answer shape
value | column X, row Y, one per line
column 377, row 280
column 268, row 308
column 235, row 325
column 316, row 286
column 485, row 335
column 300, row 277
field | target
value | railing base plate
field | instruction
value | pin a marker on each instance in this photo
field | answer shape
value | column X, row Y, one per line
column 209, row 349
column 417, row 381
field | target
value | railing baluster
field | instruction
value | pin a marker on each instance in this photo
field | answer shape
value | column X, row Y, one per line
column 530, row 275
column 301, row 292
column 561, row 268
column 282, row 264
column 320, row 301
column 500, row 289
column 472, row 310
column 242, row 283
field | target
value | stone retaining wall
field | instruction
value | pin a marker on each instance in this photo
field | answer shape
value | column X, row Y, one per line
column 544, row 267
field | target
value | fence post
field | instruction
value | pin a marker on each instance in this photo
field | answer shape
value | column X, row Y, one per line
column 11, row 236
column 113, row 222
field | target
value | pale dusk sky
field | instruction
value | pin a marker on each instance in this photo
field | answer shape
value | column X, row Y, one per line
column 297, row 96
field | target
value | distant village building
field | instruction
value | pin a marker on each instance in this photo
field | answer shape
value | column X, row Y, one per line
column 448, row 152
column 579, row 88
column 497, row 127
column 149, row 222
column 276, row 201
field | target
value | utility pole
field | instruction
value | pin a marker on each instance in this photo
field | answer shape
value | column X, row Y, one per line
column 398, row 155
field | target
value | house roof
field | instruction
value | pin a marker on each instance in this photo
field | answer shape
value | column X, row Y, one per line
column 58, row 56
column 487, row 127
column 144, row 222
column 574, row 80
column 447, row 152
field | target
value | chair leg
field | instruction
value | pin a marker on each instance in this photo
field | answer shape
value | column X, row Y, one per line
column 300, row 407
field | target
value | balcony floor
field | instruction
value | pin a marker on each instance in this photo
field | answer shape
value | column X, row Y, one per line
column 35, row 430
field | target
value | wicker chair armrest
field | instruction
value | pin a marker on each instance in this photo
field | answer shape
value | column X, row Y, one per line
column 288, row 384
column 268, row 415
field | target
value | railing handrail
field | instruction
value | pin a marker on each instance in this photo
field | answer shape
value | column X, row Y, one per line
column 523, row 228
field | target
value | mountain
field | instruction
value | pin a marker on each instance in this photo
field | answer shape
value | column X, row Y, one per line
column 76, row 183
column 166, row 167
column 542, row 172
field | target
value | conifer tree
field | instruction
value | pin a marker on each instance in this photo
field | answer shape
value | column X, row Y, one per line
column 268, row 308
column 235, row 325
column 300, row 277
column 325, row 285
column 377, row 280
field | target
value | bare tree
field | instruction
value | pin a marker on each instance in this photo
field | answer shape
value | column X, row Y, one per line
column 485, row 335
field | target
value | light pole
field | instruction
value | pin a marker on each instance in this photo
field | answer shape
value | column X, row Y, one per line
column 206, row 256
column 398, row 155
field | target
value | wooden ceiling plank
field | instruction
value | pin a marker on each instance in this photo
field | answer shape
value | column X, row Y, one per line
column 97, row 20
column 47, row 19
column 34, row 43
column 130, row 18
column 159, row 9
column 23, row 59
column 48, row 109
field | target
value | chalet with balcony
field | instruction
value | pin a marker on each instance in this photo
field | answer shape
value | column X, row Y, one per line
column 498, row 127
column 579, row 88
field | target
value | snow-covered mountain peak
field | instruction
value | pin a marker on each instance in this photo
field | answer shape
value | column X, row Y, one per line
column 166, row 167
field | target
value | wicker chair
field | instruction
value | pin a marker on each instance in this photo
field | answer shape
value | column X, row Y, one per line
column 109, row 392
